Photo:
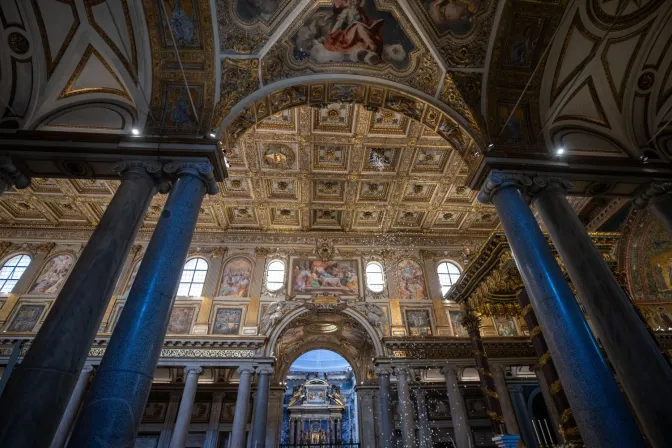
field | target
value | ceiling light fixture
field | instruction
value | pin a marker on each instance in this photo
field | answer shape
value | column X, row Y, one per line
column 135, row 131
column 559, row 151
column 212, row 135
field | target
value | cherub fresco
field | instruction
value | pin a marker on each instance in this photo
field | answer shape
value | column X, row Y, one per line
column 352, row 31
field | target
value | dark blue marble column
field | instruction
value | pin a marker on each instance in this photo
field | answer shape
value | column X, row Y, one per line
column 601, row 411
column 39, row 390
column 114, row 406
column 633, row 353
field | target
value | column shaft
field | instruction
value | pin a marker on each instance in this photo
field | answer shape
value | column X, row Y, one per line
column 72, row 408
column 568, row 428
column 505, row 399
column 387, row 423
column 114, row 406
column 635, row 357
column 52, row 365
column 425, row 434
column 492, row 405
column 406, row 409
column 242, row 405
column 212, row 435
column 186, row 405
column 261, row 409
column 366, row 418
column 599, row 407
column 458, row 413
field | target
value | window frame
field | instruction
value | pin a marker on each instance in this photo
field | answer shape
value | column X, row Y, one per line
column 448, row 274
column 9, row 278
column 284, row 275
column 191, row 282
column 382, row 275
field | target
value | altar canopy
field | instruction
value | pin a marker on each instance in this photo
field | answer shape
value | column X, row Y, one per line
column 316, row 413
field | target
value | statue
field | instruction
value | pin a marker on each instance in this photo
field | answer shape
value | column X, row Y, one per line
column 298, row 397
column 274, row 313
column 334, row 395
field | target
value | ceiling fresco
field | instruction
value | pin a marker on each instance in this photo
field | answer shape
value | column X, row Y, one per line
column 493, row 79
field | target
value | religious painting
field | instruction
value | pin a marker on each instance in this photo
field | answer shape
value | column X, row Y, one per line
column 521, row 44
column 236, row 278
column 178, row 112
column 658, row 316
column 181, row 319
column 131, row 279
column 454, row 16
column 411, row 280
column 53, row 275
column 264, row 10
column 505, row 326
column 352, row 31
column 338, row 277
column 182, row 21
column 227, row 321
column 155, row 412
column 455, row 321
column 26, row 318
column 515, row 129
column 419, row 323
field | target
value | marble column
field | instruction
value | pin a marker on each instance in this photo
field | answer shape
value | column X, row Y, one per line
column 508, row 413
column 549, row 374
column 387, row 423
column 239, row 430
column 424, row 433
column 406, row 408
column 114, row 405
column 598, row 405
column 520, row 405
column 186, row 405
column 634, row 355
column 212, row 434
column 51, row 367
column 492, row 405
column 260, row 414
column 658, row 197
column 169, row 422
column 458, row 412
column 274, row 418
column 292, row 430
column 72, row 408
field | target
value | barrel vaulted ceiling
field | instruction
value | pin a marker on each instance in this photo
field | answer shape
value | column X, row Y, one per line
column 420, row 89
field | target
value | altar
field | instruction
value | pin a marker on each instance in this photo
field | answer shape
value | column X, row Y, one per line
column 316, row 413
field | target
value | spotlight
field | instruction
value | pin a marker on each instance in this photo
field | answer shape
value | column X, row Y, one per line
column 491, row 147
column 135, row 131
column 559, row 151
column 226, row 162
column 212, row 135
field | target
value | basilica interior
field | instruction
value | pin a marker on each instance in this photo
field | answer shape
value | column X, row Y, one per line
column 335, row 223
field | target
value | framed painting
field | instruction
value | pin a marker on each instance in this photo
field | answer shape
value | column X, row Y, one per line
column 411, row 281
column 419, row 322
column 236, row 278
column 181, row 319
column 325, row 278
column 26, row 318
column 227, row 321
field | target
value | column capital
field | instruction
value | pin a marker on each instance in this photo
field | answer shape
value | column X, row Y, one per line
column 383, row 371
column 197, row 370
column 403, row 370
column 264, row 370
column 202, row 170
column 245, row 369
column 470, row 320
column 546, row 183
column 87, row 369
column 149, row 168
column 446, row 370
column 650, row 194
column 497, row 180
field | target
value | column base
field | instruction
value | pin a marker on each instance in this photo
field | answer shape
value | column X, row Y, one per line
column 506, row 440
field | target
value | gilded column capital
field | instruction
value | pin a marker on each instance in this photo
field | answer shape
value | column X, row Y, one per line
column 470, row 320
column 651, row 194
column 497, row 180
column 202, row 170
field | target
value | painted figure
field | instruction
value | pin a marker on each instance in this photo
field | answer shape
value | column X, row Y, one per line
column 456, row 15
column 53, row 276
column 236, row 278
column 182, row 25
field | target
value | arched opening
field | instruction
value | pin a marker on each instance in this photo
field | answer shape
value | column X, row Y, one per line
column 320, row 402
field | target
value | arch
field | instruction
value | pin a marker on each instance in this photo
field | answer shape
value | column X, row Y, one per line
column 13, row 268
column 334, row 347
column 281, row 326
column 321, row 89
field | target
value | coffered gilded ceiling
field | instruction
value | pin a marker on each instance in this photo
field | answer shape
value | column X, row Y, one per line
column 336, row 168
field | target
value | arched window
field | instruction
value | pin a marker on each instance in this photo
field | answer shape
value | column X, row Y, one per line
column 193, row 278
column 12, row 271
column 275, row 275
column 448, row 275
column 374, row 277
